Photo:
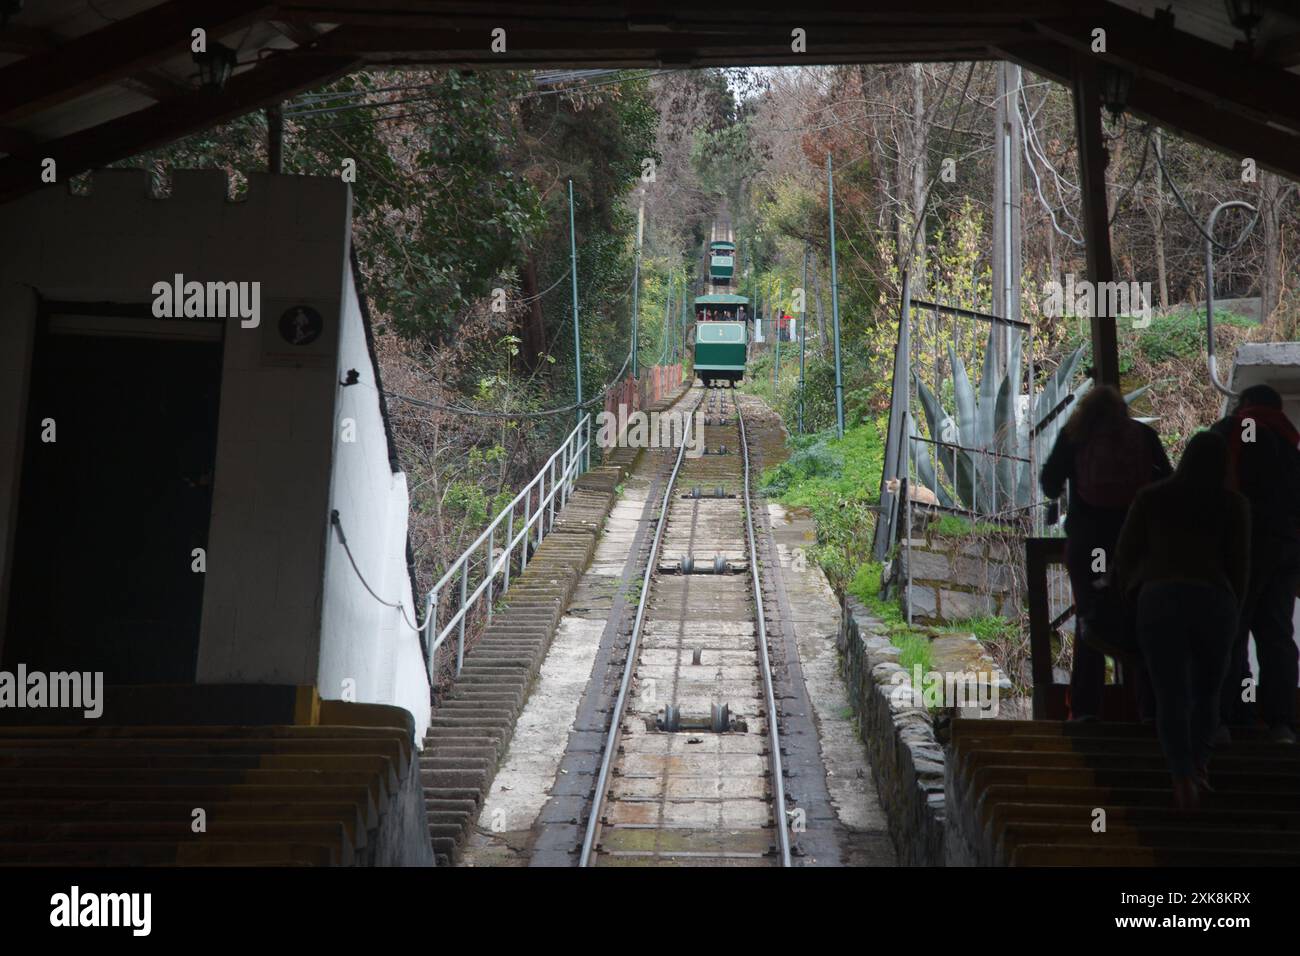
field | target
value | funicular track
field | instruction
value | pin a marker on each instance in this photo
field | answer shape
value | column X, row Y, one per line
column 691, row 769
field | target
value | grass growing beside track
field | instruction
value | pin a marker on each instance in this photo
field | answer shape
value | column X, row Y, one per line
column 838, row 480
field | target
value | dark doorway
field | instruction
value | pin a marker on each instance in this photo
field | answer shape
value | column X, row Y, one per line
column 111, row 510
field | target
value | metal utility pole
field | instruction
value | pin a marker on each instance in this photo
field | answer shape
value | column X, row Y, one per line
column 753, row 297
column 682, row 313
column 668, row 314
column 776, row 325
column 1006, row 207
column 636, row 281
column 835, row 304
column 577, row 336
column 803, row 331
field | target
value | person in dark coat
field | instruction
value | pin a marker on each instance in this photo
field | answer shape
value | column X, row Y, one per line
column 1183, row 559
column 1264, row 464
column 1092, row 527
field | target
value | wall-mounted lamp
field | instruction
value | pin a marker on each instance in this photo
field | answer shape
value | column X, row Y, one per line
column 215, row 66
column 8, row 9
column 1245, row 15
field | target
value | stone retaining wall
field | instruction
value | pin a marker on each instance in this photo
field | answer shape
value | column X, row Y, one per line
column 954, row 579
column 907, row 760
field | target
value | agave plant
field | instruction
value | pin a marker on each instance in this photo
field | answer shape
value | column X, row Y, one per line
column 985, row 451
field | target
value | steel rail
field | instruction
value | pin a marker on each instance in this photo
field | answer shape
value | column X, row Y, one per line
column 773, row 734
column 620, row 703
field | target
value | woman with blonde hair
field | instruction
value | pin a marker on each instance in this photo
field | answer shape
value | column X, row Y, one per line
column 1106, row 458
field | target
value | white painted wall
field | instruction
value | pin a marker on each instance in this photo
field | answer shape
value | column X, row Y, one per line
column 267, row 616
column 363, row 642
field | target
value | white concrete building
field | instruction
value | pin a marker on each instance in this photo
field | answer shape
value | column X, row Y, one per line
column 215, row 445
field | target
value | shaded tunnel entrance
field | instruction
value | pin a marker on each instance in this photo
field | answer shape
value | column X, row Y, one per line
column 110, row 511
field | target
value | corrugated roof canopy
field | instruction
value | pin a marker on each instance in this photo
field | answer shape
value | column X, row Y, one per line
column 90, row 83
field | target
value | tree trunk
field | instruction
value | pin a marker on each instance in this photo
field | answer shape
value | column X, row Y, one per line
column 1158, row 228
column 1270, row 192
column 532, row 325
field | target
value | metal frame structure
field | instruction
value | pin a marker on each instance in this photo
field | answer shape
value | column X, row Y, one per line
column 1210, row 244
column 906, row 439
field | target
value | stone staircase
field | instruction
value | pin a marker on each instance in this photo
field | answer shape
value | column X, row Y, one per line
column 472, row 725
column 1027, row 793
column 273, row 795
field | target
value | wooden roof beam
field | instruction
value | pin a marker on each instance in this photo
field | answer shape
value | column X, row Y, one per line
column 276, row 78
column 538, row 48
column 1221, row 78
column 20, row 38
column 118, row 50
column 1226, row 131
column 670, row 15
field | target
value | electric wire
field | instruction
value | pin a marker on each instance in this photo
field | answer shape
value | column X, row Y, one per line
column 1223, row 247
column 513, row 416
column 338, row 526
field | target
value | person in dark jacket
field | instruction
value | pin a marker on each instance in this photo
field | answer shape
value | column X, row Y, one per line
column 1264, row 465
column 1090, row 526
column 1183, row 558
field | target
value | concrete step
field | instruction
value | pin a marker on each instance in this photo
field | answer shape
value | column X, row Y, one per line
column 466, row 708
column 1094, row 854
column 488, row 754
column 344, row 813
column 464, row 820
column 329, row 834
column 470, row 794
column 444, row 779
column 448, row 831
column 486, row 693
column 1025, row 793
column 503, row 664
column 451, row 806
column 502, row 725
column 494, row 677
column 138, row 853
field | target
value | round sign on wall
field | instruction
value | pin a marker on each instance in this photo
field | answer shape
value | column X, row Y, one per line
column 301, row 325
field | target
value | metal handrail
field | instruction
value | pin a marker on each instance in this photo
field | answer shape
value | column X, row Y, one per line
column 573, row 457
column 1210, row 243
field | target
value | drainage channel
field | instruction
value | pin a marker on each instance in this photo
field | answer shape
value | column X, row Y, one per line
column 691, row 773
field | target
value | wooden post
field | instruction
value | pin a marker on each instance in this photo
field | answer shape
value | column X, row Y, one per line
column 1096, row 225
column 1040, row 554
